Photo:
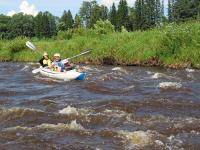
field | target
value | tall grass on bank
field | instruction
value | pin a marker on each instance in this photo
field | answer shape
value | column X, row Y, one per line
column 181, row 45
column 173, row 45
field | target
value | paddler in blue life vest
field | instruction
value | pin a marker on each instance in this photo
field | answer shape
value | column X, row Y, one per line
column 45, row 61
column 57, row 63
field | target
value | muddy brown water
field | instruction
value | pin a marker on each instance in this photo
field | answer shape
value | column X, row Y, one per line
column 114, row 108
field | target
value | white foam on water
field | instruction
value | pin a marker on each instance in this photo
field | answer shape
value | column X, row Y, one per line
column 120, row 69
column 72, row 110
column 87, row 68
column 184, row 122
column 149, row 72
column 104, row 77
column 173, row 143
column 189, row 70
column 158, row 142
column 15, row 111
column 115, row 113
column 195, row 132
column 137, row 138
column 17, row 128
column 111, row 76
column 173, row 85
column 74, row 126
column 69, row 110
column 129, row 88
column 117, row 69
column 158, row 75
column 60, row 126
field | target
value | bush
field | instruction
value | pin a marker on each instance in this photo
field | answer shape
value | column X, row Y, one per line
column 84, row 32
column 181, row 43
column 16, row 45
column 104, row 27
column 5, row 55
column 65, row 35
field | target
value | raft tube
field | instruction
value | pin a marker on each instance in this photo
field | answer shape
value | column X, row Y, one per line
column 66, row 76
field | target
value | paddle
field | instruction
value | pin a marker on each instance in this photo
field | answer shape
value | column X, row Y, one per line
column 32, row 47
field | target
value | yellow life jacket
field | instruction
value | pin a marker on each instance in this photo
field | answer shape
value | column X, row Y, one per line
column 47, row 62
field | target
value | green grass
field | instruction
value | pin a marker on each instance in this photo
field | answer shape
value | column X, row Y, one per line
column 173, row 45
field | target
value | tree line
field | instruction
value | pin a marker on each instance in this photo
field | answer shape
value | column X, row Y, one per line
column 145, row 14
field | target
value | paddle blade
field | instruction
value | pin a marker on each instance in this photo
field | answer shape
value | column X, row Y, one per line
column 30, row 45
column 35, row 71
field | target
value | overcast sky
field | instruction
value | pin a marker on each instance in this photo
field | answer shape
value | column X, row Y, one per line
column 56, row 7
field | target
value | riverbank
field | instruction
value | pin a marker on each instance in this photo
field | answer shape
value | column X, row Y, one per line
column 175, row 46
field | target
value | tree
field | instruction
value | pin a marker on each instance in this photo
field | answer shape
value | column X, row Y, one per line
column 122, row 15
column 170, row 16
column 78, row 23
column 91, row 12
column 45, row 25
column 183, row 10
column 21, row 25
column 113, row 15
column 38, row 25
column 63, row 21
column 140, row 14
column 148, row 13
column 104, row 13
column 159, row 10
column 96, row 15
column 66, row 22
column 4, row 29
column 70, row 20
column 85, row 12
column 132, row 19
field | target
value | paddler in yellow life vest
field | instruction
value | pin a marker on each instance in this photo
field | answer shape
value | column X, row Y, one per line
column 45, row 61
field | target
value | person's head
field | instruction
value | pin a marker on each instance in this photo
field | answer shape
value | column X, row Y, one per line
column 45, row 55
column 57, row 57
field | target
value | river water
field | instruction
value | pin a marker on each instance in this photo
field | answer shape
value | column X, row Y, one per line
column 114, row 108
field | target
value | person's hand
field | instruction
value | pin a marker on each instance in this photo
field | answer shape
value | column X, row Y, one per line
column 65, row 61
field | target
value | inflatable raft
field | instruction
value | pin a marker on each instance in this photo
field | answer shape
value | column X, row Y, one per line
column 66, row 76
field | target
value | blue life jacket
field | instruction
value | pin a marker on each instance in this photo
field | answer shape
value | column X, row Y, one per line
column 60, row 64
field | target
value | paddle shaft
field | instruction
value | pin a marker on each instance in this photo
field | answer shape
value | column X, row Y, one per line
column 79, row 55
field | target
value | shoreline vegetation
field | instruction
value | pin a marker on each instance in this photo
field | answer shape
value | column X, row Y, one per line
column 174, row 46
column 148, row 33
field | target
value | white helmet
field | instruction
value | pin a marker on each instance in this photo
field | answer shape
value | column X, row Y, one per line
column 56, row 55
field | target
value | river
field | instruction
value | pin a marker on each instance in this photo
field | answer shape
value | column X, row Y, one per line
column 114, row 108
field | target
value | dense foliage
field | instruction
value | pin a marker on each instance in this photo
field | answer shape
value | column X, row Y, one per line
column 145, row 14
column 172, row 45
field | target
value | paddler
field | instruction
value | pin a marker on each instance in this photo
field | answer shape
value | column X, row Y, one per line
column 57, row 63
column 45, row 61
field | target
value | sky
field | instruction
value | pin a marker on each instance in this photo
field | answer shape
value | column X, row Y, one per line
column 56, row 7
